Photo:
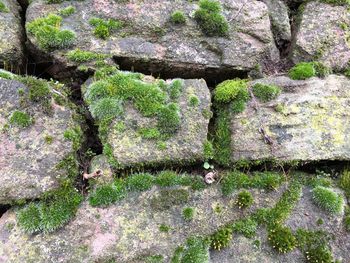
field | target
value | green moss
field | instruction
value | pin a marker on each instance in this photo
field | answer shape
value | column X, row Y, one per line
column 246, row 227
column 282, row 239
column 39, row 90
column 48, row 33
column 48, row 139
column 336, row 2
column 81, row 56
column 164, row 228
column 149, row 133
column 210, row 19
column 188, row 213
column 344, row 182
column 230, row 90
column 193, row 100
column 69, row 166
column 327, row 199
column 244, row 199
column 139, row 182
column 169, row 119
column 178, row 17
column 108, row 194
column 222, row 137
column 161, row 145
column 208, row 150
column 104, row 28
column 347, row 222
column 55, row 209
column 196, row 250
column 3, row 8
column 266, row 93
column 75, row 135
column 154, row 259
column 20, row 119
column 67, row 11
column 170, row 178
column 305, row 70
column 221, row 238
column 6, row 75
column 168, row 198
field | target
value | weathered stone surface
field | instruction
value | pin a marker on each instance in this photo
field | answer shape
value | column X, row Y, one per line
column 29, row 155
column 281, row 28
column 311, row 122
column 149, row 42
column 100, row 162
column 126, row 232
column 323, row 34
column 11, row 35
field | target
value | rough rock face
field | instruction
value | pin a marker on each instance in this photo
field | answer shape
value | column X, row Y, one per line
column 32, row 143
column 149, row 42
column 126, row 232
column 11, row 35
column 323, row 34
column 308, row 121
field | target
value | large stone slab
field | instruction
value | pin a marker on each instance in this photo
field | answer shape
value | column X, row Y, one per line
column 323, row 34
column 11, row 35
column 309, row 121
column 32, row 141
column 149, row 42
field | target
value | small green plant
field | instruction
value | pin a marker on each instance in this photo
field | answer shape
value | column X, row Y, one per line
column 282, row 239
column 221, row 238
column 244, row 199
column 319, row 222
column 246, row 227
column 347, row 222
column 266, row 92
column 107, row 194
column 104, row 28
column 327, row 199
column 149, row 133
column 208, row 150
column 195, row 250
column 139, row 182
column 170, row 178
column 336, row 2
column 3, row 8
column 344, row 182
column 20, row 119
column 210, row 19
column 178, row 17
column 305, row 70
column 164, row 228
column 81, row 56
column 75, row 135
column 319, row 254
column 188, row 213
column 48, row 33
column 67, row 11
column 230, row 90
column 48, row 139
column 193, row 100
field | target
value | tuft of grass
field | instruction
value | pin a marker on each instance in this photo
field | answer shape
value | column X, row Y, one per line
column 75, row 135
column 208, row 150
column 305, row 70
column 105, row 195
column 221, row 238
column 20, row 119
column 48, row 33
column 3, row 8
column 246, row 227
column 55, row 209
column 222, row 137
column 244, row 199
column 178, row 17
column 164, row 228
column 104, row 28
column 282, row 239
column 232, row 91
column 210, row 19
column 344, row 182
column 193, row 100
column 266, row 93
column 328, row 200
column 195, row 250
column 69, row 10
column 81, row 56
column 170, row 178
column 149, row 133
column 188, row 213
column 139, row 182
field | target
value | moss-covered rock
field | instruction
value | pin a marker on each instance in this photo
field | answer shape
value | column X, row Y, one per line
column 11, row 35
column 140, row 35
column 308, row 121
column 33, row 145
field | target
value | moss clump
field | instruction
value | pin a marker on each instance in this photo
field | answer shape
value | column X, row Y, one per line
column 170, row 178
column 3, row 8
column 344, row 182
column 244, row 199
column 6, row 75
column 52, row 212
column 178, row 17
column 149, row 133
column 222, row 137
column 305, row 70
column 196, row 250
column 82, row 56
column 67, row 11
column 235, row 91
column 266, row 93
column 193, row 100
column 104, row 28
column 105, row 195
column 221, row 238
column 246, row 227
column 164, row 228
column 327, row 199
column 75, row 135
column 139, row 182
column 282, row 239
column 210, row 19
column 208, row 150
column 48, row 33
column 168, row 198
column 20, row 119
column 336, row 2
column 188, row 213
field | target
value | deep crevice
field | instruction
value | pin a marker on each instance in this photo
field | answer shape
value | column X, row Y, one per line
column 3, row 209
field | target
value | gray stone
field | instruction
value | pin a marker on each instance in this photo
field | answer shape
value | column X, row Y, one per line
column 311, row 122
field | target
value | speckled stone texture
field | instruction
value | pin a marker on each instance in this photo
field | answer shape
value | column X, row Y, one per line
column 149, row 42
column 11, row 36
column 311, row 122
column 323, row 34
column 28, row 162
